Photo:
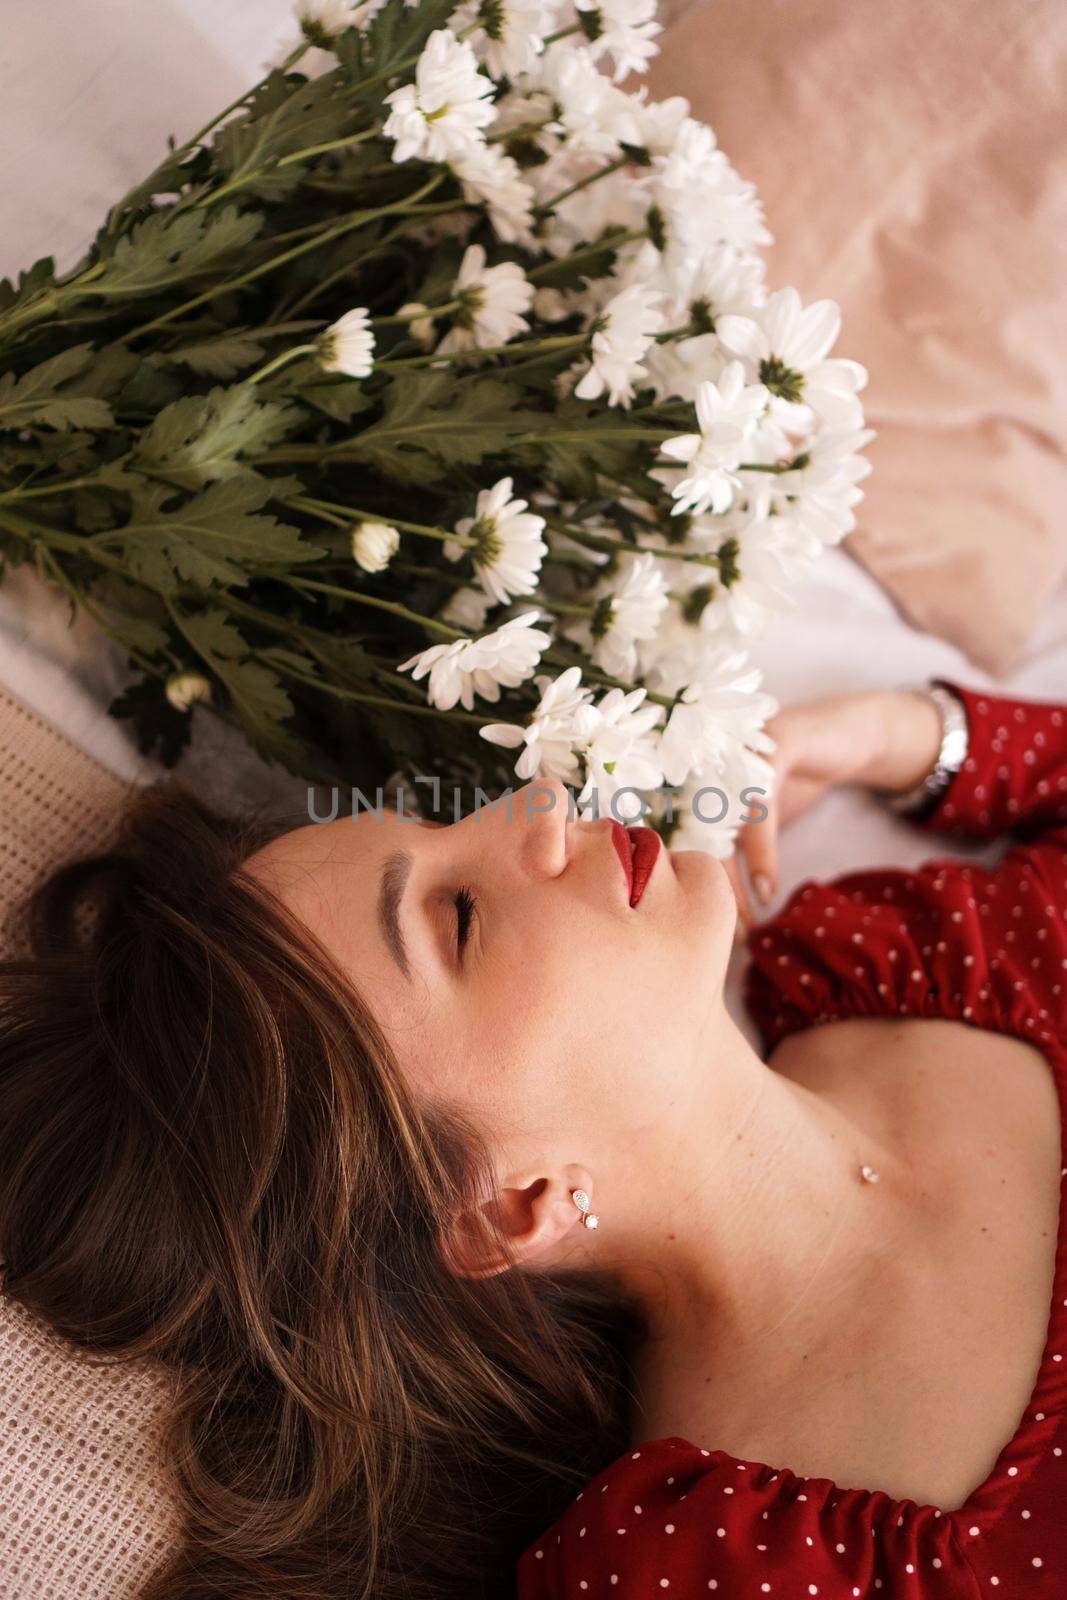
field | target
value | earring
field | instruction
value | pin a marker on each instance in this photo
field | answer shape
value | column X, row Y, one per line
column 581, row 1200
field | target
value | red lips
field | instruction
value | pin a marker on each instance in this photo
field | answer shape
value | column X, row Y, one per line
column 637, row 850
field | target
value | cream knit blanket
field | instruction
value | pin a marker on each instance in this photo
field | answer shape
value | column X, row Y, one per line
column 84, row 1507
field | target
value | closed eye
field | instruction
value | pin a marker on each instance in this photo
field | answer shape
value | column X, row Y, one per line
column 465, row 905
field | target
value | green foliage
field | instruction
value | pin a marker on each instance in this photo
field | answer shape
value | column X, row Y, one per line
column 200, row 437
column 159, row 729
column 281, row 121
column 33, row 282
column 216, row 538
column 430, row 422
column 166, row 249
column 40, row 399
column 173, row 451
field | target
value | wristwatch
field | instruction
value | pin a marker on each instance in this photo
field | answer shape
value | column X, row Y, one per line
column 950, row 757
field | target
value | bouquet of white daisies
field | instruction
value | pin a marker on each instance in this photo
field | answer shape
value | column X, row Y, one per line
column 428, row 413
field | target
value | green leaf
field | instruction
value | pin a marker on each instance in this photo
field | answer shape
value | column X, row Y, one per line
column 215, row 538
column 93, row 512
column 148, row 390
column 166, row 249
column 341, row 400
column 222, row 357
column 570, row 272
column 32, row 282
column 281, row 121
column 159, row 728
column 112, row 368
column 397, row 32
column 225, row 353
column 201, row 437
column 574, row 464
column 256, row 693
column 38, row 400
column 430, row 420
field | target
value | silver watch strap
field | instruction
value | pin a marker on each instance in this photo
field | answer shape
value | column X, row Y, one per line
column 950, row 757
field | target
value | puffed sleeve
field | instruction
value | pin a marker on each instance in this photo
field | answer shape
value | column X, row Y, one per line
column 672, row 1519
column 1014, row 779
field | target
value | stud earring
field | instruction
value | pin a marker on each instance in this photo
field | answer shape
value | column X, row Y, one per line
column 581, row 1200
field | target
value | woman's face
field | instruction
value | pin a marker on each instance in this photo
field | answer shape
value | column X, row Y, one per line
column 567, row 1013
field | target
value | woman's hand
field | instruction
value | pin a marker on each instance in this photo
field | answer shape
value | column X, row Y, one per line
column 881, row 739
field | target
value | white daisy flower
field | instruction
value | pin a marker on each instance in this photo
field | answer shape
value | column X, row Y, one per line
column 509, row 548
column 466, row 608
column 510, row 34
column 617, row 201
column 548, row 740
column 624, row 29
column 658, row 122
column 703, row 200
column 469, row 667
column 490, row 177
column 374, row 544
column 595, row 116
column 823, row 489
column 619, row 749
column 623, row 332
column 492, row 302
column 320, row 21
column 712, row 821
column 786, row 344
column 719, row 709
column 627, row 608
column 441, row 115
column 757, row 571
column 347, row 345
column 727, row 413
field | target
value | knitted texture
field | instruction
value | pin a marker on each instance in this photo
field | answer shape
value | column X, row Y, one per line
column 85, row 1509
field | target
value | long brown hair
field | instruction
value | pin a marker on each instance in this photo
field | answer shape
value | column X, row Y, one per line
column 208, row 1157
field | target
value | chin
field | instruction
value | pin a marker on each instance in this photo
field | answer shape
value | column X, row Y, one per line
column 714, row 902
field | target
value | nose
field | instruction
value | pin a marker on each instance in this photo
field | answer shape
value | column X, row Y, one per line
column 542, row 808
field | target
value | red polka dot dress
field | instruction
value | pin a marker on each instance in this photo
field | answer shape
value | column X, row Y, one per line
column 983, row 946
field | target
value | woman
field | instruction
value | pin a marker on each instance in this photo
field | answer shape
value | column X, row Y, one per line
column 319, row 1119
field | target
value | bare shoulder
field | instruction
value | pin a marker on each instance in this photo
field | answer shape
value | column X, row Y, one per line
column 953, row 1095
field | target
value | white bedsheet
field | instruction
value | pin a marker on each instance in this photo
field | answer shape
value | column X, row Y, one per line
column 77, row 126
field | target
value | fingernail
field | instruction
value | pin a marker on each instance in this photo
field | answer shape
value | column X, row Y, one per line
column 762, row 885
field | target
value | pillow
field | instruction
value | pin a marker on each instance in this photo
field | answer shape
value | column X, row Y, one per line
column 912, row 163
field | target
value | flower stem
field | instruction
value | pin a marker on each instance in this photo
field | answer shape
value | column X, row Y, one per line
column 331, row 144
column 518, row 347
column 603, row 541
column 349, row 223
column 611, row 242
column 296, row 155
column 361, row 599
column 280, row 361
column 548, row 206
column 415, row 316
column 404, row 707
column 346, row 516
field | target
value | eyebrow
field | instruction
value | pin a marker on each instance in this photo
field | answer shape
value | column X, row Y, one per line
column 395, row 873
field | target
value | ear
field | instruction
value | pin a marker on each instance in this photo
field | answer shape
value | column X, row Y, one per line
column 534, row 1212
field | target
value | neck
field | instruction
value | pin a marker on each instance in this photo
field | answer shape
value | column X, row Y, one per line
column 748, row 1212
